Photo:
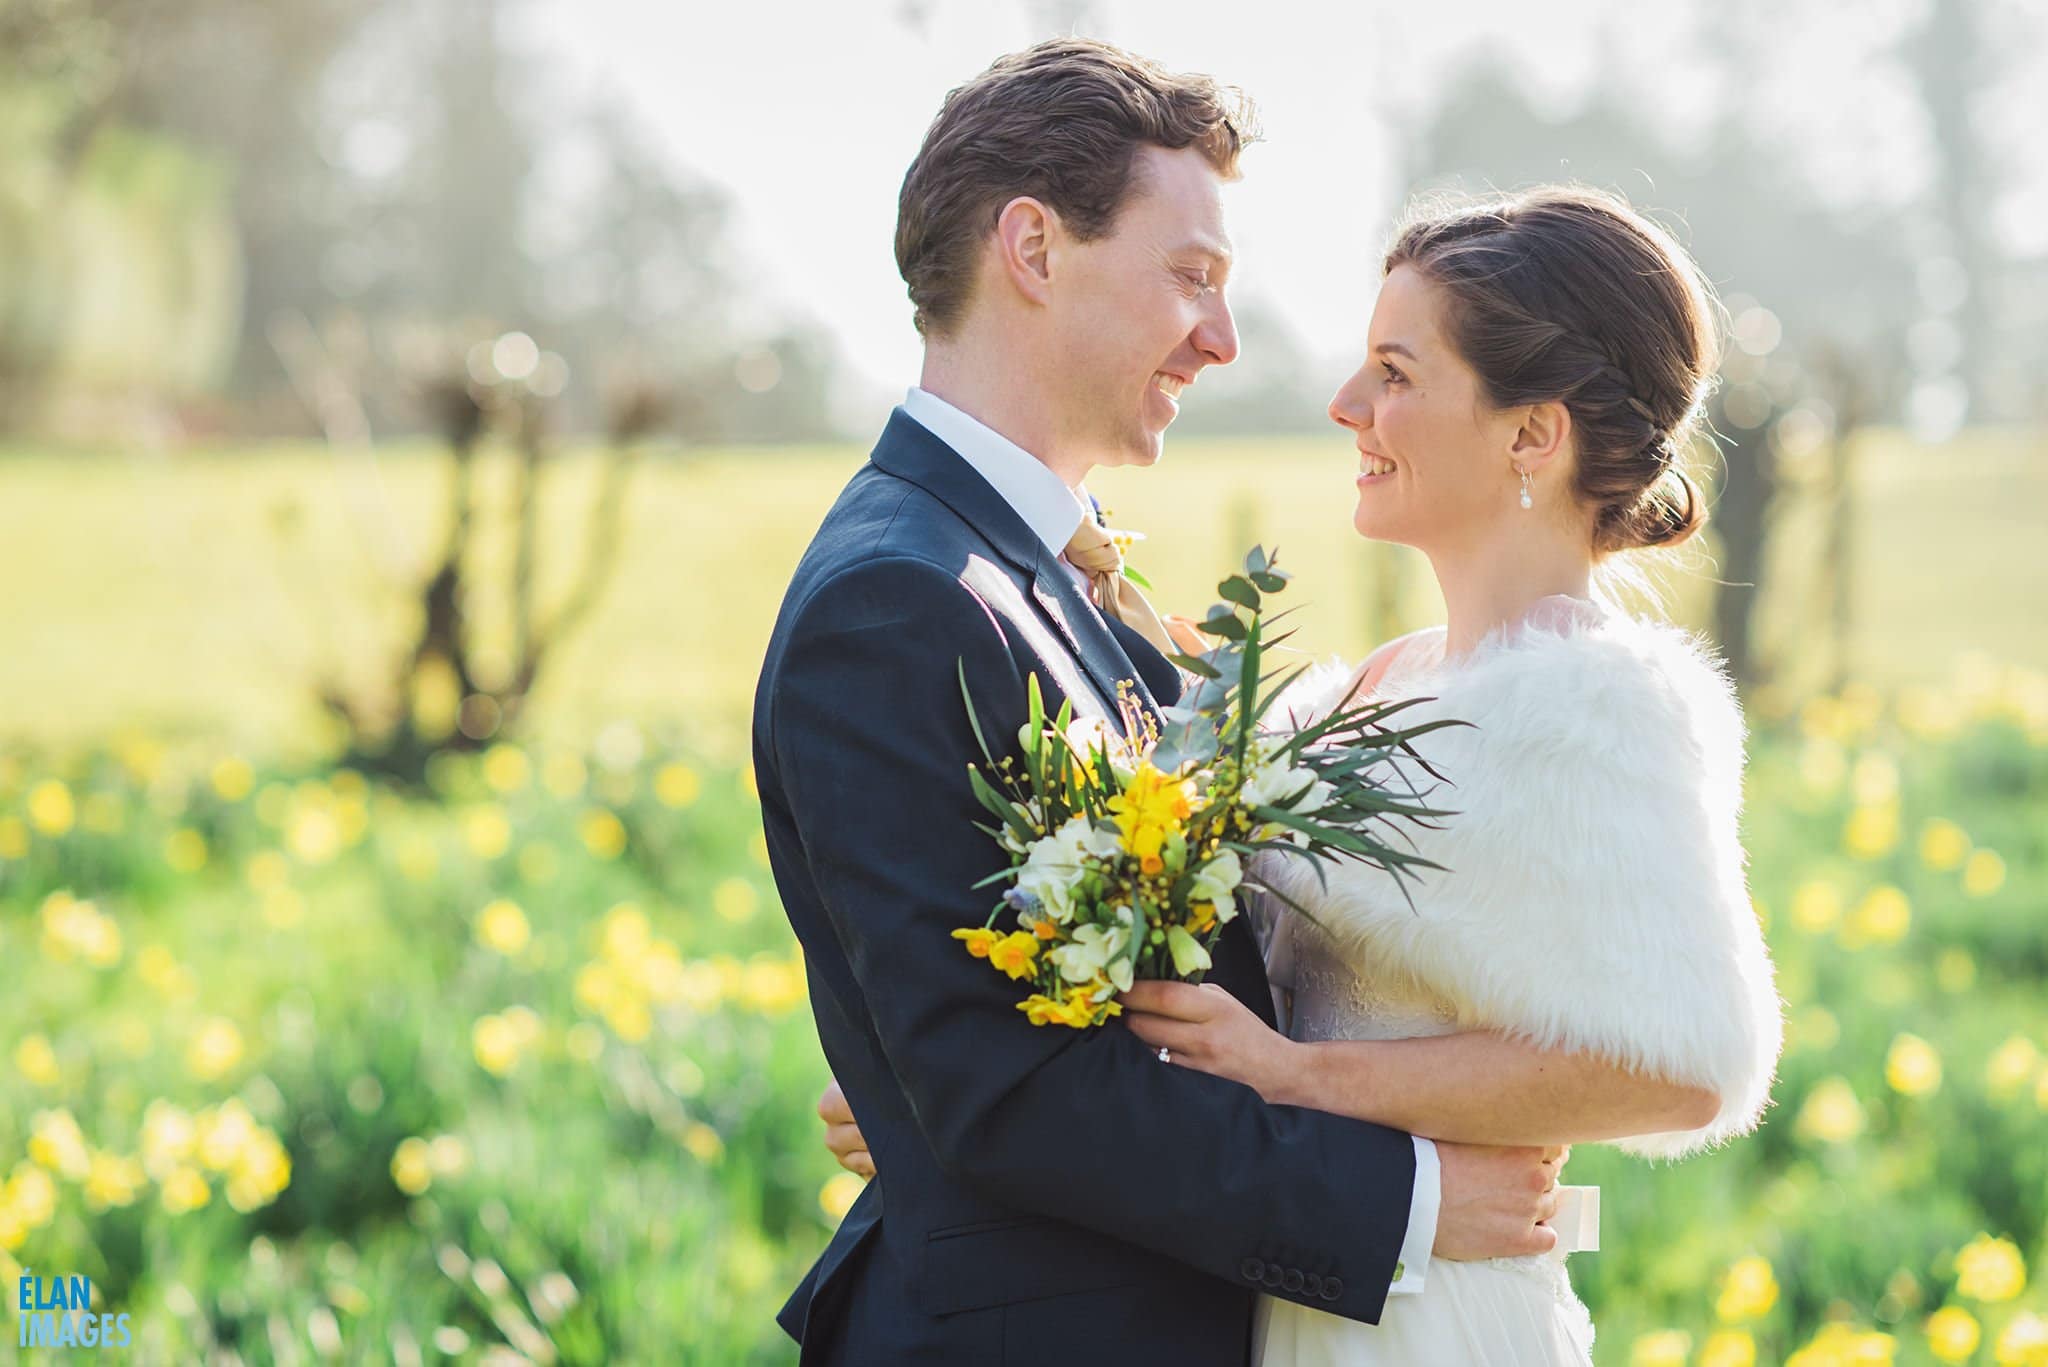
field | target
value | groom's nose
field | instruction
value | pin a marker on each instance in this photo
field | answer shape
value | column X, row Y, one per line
column 1216, row 335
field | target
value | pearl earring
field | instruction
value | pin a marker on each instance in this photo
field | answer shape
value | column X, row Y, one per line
column 1527, row 501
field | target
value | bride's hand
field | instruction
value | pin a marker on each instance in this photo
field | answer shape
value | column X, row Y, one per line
column 842, row 1135
column 1208, row 1029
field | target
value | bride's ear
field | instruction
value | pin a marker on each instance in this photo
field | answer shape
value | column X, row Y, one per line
column 1024, row 237
column 1542, row 436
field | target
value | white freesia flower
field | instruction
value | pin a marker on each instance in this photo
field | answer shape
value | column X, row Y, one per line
column 1059, row 861
column 1095, row 951
column 1217, row 879
column 1272, row 783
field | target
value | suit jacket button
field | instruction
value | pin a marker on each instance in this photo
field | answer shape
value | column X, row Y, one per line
column 1293, row 1281
column 1333, row 1287
column 1251, row 1269
column 1312, row 1284
column 1274, row 1276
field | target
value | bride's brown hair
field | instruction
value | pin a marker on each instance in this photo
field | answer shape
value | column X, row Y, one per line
column 1570, row 295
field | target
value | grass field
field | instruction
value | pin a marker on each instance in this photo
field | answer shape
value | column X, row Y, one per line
column 519, row 1068
column 161, row 592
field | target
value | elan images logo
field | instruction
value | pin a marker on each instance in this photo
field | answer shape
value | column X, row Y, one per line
column 56, row 1312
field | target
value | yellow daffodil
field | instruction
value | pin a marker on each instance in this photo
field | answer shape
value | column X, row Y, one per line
column 1990, row 1270
column 1015, row 954
column 1953, row 1334
column 1748, row 1291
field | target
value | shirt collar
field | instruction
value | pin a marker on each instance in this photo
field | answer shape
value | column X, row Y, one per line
column 1049, row 508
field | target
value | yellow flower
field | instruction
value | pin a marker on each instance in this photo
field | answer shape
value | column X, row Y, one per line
column 111, row 1181
column 409, row 1168
column 1014, row 953
column 495, row 1042
column 1955, row 970
column 2024, row 1342
column 76, row 929
column 1913, row 1068
column 735, row 900
column 625, row 931
column 1729, row 1348
column 266, row 870
column 215, row 1049
column 487, row 831
column 501, row 926
column 169, row 1137
column 979, row 940
column 1152, row 805
column 260, row 1171
column 677, row 785
column 2012, row 1066
column 1953, row 1333
column 604, row 835
column 1989, row 1269
column 185, row 850
column 13, row 838
column 1842, row 1345
column 50, row 809
column 1040, row 1009
column 838, row 1194
column 1943, row 845
column 703, row 1142
column 58, row 1144
column 233, row 779
column 1748, row 1290
column 1882, row 917
column 37, row 1060
column 1832, row 1114
column 31, row 1193
column 185, row 1190
column 507, row 769
column 1983, row 873
column 1872, row 831
column 1664, row 1348
column 1816, row 907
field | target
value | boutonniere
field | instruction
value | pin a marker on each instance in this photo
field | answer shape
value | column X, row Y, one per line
column 1123, row 539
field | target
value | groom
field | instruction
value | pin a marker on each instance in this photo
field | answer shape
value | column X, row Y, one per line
column 1045, row 1194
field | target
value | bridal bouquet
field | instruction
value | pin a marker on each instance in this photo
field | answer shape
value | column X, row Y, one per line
column 1129, row 841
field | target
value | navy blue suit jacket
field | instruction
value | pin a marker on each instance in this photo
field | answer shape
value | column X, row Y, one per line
column 1045, row 1194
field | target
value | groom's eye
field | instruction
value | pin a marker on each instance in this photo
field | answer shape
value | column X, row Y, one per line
column 1198, row 281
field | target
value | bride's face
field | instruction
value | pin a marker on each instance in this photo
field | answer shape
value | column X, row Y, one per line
column 1433, row 468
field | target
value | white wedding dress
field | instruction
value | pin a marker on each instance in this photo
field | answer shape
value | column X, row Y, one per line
column 1595, row 844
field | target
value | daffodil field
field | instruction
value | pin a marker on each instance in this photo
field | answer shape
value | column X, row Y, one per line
column 297, row 1066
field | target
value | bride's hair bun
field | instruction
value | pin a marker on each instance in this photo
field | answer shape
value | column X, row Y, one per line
column 1570, row 295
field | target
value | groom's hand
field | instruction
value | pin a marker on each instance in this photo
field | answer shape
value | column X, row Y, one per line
column 1497, row 1202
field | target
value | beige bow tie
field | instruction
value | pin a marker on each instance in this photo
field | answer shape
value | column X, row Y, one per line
column 1094, row 552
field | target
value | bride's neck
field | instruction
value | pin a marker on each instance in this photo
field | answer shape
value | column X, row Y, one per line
column 1498, row 580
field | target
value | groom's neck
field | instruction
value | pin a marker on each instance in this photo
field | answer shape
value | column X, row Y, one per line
column 1002, row 393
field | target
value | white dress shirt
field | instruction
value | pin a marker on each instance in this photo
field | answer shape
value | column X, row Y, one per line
column 1054, row 512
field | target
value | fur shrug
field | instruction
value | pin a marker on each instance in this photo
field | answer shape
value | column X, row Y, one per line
column 1594, row 897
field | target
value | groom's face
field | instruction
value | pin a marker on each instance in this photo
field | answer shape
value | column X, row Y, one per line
column 1140, row 312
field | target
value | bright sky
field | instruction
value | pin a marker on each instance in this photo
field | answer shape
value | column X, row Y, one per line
column 808, row 114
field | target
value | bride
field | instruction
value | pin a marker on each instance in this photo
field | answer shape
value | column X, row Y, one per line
column 1535, row 365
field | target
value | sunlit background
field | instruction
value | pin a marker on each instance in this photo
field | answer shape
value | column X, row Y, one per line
column 409, row 416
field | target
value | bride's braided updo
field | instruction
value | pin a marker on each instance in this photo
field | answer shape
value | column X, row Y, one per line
column 1570, row 295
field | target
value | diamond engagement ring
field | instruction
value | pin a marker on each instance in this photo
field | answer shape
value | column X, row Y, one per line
column 1165, row 1054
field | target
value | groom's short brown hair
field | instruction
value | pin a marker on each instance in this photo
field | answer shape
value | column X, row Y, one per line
column 1061, row 122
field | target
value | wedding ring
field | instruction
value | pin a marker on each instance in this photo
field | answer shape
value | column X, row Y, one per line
column 1165, row 1054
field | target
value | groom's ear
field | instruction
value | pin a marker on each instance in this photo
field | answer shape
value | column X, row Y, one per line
column 1025, row 230
column 1541, row 437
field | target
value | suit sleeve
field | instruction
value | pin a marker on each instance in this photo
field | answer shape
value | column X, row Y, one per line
column 871, row 741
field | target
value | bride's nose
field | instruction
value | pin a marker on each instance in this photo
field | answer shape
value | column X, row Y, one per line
column 1351, row 406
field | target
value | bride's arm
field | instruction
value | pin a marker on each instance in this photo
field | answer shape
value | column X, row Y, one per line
column 1472, row 1088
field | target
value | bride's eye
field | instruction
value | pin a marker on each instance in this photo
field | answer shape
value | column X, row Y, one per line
column 1393, row 376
